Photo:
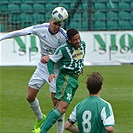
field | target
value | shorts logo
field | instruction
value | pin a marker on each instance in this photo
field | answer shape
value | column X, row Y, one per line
column 77, row 54
column 69, row 96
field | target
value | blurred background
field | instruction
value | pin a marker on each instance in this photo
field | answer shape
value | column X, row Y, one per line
column 85, row 15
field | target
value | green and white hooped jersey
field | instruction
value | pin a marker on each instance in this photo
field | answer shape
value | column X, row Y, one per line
column 92, row 115
column 71, row 58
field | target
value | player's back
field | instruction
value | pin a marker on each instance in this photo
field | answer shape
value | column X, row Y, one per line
column 89, row 115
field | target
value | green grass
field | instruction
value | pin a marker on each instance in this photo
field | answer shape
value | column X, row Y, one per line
column 17, row 117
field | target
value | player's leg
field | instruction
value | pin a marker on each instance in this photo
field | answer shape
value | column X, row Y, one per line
column 33, row 102
column 60, row 124
column 34, row 105
column 67, row 96
column 61, row 120
column 64, row 94
column 35, row 84
column 54, row 115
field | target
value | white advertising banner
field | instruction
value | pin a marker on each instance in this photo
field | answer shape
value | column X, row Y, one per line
column 108, row 47
column 101, row 47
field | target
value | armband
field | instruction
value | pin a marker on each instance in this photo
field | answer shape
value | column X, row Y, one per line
column 71, row 121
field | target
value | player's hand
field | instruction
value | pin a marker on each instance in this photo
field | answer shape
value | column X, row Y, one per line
column 50, row 78
column 45, row 59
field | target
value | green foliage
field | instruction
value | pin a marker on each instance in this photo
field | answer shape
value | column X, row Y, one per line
column 17, row 117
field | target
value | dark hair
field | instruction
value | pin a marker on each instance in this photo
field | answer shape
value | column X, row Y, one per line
column 71, row 32
column 94, row 82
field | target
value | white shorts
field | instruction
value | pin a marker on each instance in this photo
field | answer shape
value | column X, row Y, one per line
column 40, row 77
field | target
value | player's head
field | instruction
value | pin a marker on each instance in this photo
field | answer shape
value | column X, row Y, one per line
column 94, row 82
column 59, row 14
column 54, row 26
column 74, row 37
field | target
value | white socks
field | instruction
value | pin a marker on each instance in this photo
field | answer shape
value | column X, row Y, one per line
column 60, row 124
column 36, row 109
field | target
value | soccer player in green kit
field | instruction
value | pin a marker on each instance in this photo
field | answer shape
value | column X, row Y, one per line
column 93, row 114
column 71, row 57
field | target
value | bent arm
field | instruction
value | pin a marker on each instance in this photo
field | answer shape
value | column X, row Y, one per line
column 108, row 120
column 50, row 65
column 71, row 127
column 26, row 31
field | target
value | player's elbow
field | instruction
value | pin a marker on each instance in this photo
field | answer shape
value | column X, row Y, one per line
column 110, row 129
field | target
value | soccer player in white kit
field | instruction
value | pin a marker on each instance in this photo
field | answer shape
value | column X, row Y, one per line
column 51, row 36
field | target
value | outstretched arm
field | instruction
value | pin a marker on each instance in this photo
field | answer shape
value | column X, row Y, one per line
column 22, row 32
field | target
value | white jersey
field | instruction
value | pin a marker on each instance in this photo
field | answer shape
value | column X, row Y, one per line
column 48, row 42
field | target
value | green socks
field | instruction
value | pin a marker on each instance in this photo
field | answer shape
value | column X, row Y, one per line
column 51, row 119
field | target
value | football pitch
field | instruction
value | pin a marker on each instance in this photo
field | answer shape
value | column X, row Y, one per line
column 17, row 117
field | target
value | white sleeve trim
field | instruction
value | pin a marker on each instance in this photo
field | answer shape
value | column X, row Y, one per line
column 72, row 117
column 107, row 120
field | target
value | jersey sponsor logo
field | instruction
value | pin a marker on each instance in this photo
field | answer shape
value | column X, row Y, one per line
column 77, row 54
column 49, row 50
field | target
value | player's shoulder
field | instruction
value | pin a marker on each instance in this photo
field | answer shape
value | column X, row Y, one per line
column 63, row 32
column 41, row 26
column 63, row 46
column 104, row 102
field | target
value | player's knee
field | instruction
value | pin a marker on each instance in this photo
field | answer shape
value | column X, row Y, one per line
column 30, row 99
column 63, row 110
column 62, row 107
column 31, row 95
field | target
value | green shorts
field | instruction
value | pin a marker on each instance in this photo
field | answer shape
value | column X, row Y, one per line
column 66, row 86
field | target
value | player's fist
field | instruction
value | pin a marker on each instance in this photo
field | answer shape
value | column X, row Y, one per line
column 45, row 59
column 51, row 76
